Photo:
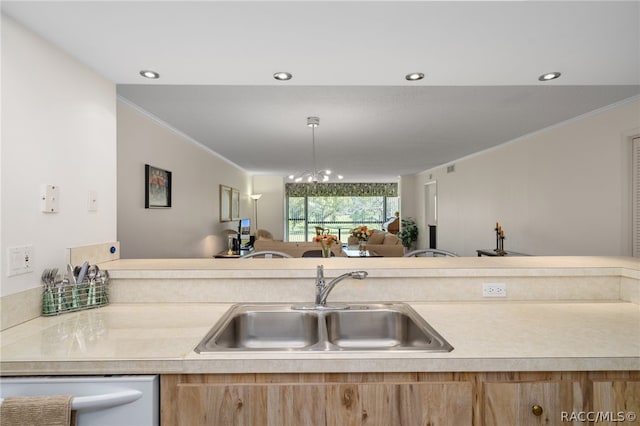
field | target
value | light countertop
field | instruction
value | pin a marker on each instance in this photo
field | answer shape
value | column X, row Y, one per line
column 560, row 314
column 384, row 266
column 160, row 338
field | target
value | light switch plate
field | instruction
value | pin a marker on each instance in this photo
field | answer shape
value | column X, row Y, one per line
column 93, row 201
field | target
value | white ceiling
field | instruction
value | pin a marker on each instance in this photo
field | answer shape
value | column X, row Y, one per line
column 348, row 60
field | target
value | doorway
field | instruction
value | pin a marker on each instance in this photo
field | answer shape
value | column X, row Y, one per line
column 431, row 213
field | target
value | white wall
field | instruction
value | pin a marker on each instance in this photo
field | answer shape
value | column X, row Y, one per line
column 58, row 127
column 561, row 191
column 271, row 209
column 191, row 227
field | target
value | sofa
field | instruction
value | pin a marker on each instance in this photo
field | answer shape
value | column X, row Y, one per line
column 295, row 249
column 382, row 243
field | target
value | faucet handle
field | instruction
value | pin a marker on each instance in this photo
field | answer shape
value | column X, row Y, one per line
column 320, row 271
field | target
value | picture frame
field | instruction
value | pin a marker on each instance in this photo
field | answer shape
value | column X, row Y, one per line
column 225, row 203
column 235, row 204
column 157, row 188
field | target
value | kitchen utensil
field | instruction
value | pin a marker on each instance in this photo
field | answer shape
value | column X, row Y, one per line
column 48, row 278
column 83, row 272
column 91, row 299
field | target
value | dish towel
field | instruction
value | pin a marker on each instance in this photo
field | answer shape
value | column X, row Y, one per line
column 37, row 411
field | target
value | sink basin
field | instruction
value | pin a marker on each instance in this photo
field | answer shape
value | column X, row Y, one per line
column 362, row 327
column 382, row 328
column 263, row 327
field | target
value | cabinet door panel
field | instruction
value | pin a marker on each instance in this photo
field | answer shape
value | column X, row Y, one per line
column 344, row 406
column 363, row 404
column 617, row 397
column 400, row 404
column 229, row 405
column 512, row 403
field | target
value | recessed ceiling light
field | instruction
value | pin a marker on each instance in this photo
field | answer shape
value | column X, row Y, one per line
column 414, row 76
column 282, row 76
column 549, row 76
column 149, row 74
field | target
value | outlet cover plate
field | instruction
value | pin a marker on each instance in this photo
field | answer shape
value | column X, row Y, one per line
column 494, row 290
column 20, row 260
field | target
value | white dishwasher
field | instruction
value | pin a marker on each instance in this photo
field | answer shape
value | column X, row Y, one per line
column 99, row 400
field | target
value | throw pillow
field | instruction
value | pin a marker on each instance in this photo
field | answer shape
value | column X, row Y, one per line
column 377, row 237
column 391, row 240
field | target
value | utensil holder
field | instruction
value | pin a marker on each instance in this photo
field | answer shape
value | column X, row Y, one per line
column 63, row 298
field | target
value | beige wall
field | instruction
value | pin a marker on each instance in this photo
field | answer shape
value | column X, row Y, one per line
column 271, row 209
column 191, row 227
column 563, row 190
column 58, row 128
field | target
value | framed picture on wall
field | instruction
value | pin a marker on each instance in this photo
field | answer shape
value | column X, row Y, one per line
column 157, row 187
column 225, row 203
column 235, row 204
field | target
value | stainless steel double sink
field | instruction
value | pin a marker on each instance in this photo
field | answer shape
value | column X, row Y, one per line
column 356, row 327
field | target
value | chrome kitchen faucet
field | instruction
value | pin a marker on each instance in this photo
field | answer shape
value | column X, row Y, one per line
column 323, row 289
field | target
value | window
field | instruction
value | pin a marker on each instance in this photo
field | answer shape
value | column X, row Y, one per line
column 339, row 207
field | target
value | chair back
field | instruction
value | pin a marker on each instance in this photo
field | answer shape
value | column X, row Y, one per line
column 315, row 253
column 430, row 253
column 267, row 254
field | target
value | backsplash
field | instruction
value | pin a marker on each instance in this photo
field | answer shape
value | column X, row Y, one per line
column 96, row 253
column 26, row 305
column 20, row 307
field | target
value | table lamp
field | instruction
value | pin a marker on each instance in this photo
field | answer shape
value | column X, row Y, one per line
column 230, row 235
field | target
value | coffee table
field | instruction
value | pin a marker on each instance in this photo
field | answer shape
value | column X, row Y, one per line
column 354, row 252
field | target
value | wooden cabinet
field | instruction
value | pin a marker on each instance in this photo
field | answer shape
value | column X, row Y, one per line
column 412, row 399
column 619, row 398
column 574, row 398
column 534, row 403
column 322, row 404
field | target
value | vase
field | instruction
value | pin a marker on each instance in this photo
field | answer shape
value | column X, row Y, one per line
column 362, row 248
column 326, row 251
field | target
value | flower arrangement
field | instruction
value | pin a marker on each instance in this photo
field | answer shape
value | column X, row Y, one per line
column 362, row 233
column 326, row 240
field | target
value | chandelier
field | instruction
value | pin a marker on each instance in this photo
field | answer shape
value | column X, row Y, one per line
column 314, row 175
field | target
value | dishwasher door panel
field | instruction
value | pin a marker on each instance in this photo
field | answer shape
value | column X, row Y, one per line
column 99, row 400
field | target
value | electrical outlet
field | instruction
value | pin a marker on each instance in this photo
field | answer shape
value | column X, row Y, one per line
column 494, row 290
column 19, row 260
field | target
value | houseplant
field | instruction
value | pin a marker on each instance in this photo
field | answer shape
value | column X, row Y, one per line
column 408, row 232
